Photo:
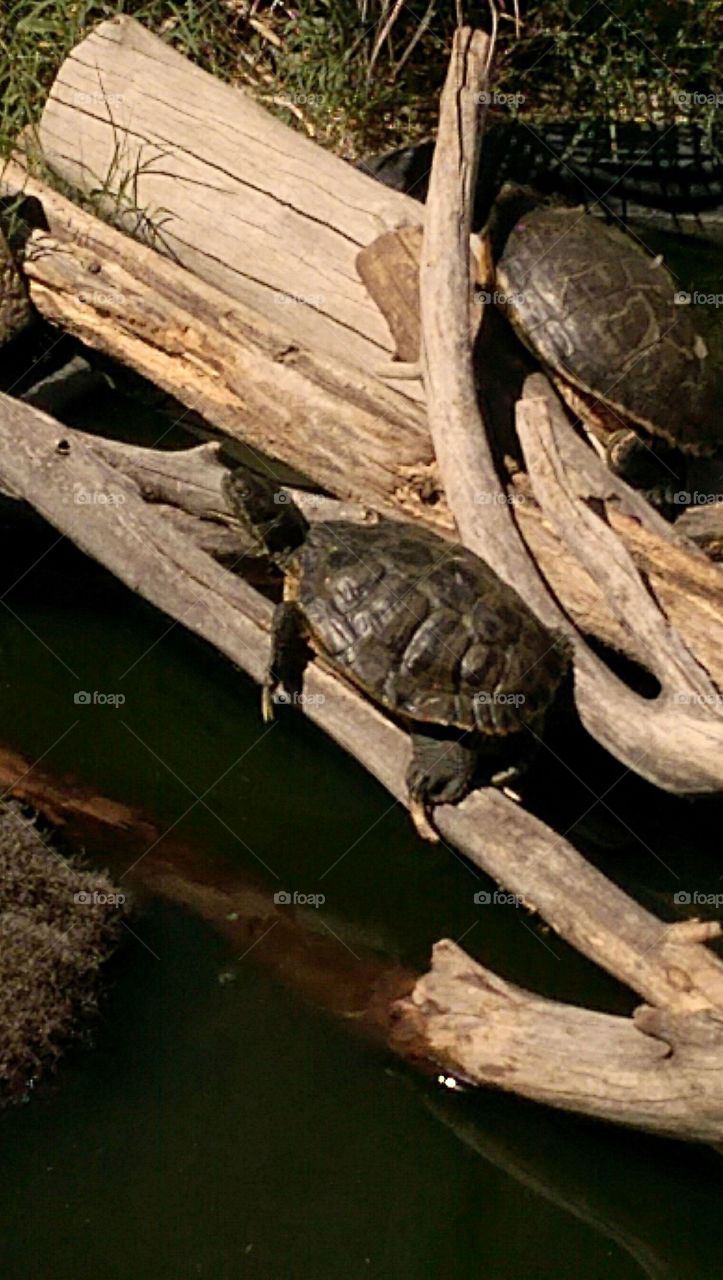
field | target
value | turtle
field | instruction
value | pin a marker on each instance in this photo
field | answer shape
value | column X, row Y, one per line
column 420, row 625
column 608, row 322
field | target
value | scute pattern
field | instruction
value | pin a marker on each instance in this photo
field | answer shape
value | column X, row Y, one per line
column 595, row 308
column 425, row 627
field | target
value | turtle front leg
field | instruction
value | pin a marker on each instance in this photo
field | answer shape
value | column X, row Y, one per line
column 441, row 772
column 288, row 657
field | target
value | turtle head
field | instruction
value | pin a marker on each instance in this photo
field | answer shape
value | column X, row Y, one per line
column 265, row 512
column 512, row 203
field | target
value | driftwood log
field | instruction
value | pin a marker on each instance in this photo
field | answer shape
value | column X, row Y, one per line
column 666, row 965
column 349, row 432
column 675, row 740
column 270, row 383
column 265, row 217
column 299, row 381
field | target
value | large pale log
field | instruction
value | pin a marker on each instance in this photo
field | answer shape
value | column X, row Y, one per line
column 238, row 197
column 347, row 430
column 230, row 364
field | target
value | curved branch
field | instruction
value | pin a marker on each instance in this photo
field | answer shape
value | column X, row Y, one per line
column 659, row 1073
column 685, row 758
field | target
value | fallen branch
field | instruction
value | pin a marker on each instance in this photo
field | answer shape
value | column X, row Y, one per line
column 203, row 172
column 135, row 540
column 357, row 986
column 667, row 1079
column 680, row 747
column 346, row 430
column 569, row 480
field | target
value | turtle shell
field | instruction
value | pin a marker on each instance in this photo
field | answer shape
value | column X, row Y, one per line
column 602, row 315
column 424, row 626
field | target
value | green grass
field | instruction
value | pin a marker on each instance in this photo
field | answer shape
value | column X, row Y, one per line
column 362, row 75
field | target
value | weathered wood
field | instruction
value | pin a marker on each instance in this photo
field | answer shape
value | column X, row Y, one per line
column 237, row 370
column 365, row 441
column 132, row 538
column 704, row 526
column 389, row 270
column 236, row 195
column 659, row 1072
column 326, row 460
column 675, row 740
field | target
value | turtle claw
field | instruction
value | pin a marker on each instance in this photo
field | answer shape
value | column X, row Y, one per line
column 267, row 704
column 504, row 777
column 420, row 817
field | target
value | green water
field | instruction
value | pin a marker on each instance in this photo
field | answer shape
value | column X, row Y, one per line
column 224, row 1128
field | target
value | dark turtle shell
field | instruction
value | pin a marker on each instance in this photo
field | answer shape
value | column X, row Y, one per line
column 602, row 315
column 425, row 627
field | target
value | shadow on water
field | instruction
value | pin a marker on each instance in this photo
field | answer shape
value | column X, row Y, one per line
column 223, row 1128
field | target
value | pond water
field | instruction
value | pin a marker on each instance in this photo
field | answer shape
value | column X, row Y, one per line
column 224, row 1127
